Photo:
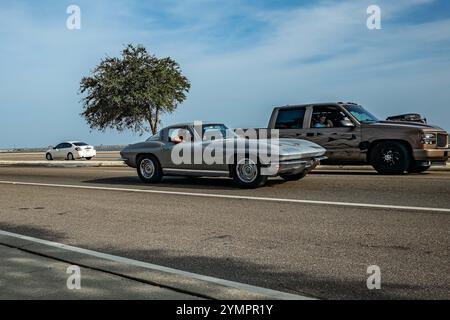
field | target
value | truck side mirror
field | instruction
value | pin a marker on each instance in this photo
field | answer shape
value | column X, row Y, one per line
column 347, row 123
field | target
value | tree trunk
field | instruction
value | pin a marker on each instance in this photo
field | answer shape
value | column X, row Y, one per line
column 153, row 121
column 156, row 121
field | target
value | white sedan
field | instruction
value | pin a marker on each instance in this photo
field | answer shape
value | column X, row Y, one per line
column 71, row 150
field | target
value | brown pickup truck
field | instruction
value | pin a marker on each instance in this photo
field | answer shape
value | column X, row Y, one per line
column 353, row 136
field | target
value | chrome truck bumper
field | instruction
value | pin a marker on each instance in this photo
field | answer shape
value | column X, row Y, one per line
column 432, row 155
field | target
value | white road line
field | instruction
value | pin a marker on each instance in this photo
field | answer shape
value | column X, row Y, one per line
column 269, row 293
column 235, row 197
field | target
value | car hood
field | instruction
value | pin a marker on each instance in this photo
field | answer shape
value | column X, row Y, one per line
column 290, row 149
column 401, row 124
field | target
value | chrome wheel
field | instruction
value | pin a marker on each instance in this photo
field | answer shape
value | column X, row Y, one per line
column 147, row 168
column 390, row 157
column 247, row 170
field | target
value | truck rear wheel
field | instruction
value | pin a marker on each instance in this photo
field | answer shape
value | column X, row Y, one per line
column 390, row 157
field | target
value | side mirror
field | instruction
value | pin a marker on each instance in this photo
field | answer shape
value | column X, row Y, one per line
column 347, row 123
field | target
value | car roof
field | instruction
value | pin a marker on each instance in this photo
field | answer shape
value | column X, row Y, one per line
column 316, row 104
column 191, row 124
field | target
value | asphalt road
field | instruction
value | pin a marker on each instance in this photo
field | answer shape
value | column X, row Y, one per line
column 313, row 249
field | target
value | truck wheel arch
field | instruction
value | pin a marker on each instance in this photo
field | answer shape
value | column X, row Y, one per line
column 376, row 142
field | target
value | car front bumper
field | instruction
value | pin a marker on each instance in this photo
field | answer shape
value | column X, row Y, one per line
column 297, row 166
column 432, row 155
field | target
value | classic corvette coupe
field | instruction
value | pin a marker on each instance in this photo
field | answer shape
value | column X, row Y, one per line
column 211, row 149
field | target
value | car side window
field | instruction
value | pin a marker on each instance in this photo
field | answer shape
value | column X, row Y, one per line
column 60, row 146
column 328, row 117
column 290, row 119
column 67, row 146
column 180, row 132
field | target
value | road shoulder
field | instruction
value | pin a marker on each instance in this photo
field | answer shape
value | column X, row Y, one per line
column 182, row 284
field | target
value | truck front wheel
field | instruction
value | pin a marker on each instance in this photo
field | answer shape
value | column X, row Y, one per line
column 390, row 157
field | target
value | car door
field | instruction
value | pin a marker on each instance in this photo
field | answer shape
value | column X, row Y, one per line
column 67, row 147
column 333, row 129
column 172, row 160
column 57, row 151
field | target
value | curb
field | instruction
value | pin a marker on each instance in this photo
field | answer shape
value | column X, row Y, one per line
column 177, row 280
column 62, row 164
column 368, row 168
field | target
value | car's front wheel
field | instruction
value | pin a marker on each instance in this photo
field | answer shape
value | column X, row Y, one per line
column 247, row 174
column 88, row 158
column 149, row 170
column 48, row 156
column 390, row 157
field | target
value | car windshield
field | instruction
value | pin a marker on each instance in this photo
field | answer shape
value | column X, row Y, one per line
column 217, row 131
column 80, row 144
column 155, row 137
column 361, row 114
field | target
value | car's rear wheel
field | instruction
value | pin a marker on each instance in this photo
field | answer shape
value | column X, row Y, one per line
column 88, row 158
column 48, row 156
column 246, row 173
column 149, row 169
column 70, row 156
column 294, row 177
column 390, row 157
column 419, row 168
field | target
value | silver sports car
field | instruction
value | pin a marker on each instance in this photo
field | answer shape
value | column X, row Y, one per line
column 211, row 149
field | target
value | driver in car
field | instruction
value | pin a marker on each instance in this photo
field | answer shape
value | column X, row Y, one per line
column 323, row 123
column 179, row 136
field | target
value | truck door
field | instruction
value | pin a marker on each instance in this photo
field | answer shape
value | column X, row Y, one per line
column 330, row 127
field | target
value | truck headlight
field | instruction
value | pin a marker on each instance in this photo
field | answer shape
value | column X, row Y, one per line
column 429, row 138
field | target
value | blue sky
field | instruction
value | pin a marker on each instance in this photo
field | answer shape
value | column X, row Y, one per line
column 242, row 57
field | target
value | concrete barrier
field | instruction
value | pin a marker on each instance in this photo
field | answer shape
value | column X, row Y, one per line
column 61, row 164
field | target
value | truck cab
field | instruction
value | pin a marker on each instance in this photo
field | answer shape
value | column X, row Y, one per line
column 353, row 136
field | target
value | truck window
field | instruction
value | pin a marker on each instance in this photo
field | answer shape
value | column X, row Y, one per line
column 290, row 119
column 328, row 117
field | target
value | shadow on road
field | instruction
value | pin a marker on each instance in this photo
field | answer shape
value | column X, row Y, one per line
column 179, row 182
column 330, row 286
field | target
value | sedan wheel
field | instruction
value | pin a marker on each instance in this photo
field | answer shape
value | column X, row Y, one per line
column 149, row 170
column 70, row 156
column 49, row 157
column 246, row 173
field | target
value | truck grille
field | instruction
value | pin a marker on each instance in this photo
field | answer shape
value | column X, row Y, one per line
column 442, row 140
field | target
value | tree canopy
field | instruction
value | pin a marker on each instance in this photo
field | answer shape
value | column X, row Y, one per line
column 132, row 91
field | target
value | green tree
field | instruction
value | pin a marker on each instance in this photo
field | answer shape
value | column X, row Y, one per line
column 133, row 91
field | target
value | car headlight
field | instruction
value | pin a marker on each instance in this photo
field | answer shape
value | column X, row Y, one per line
column 429, row 138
